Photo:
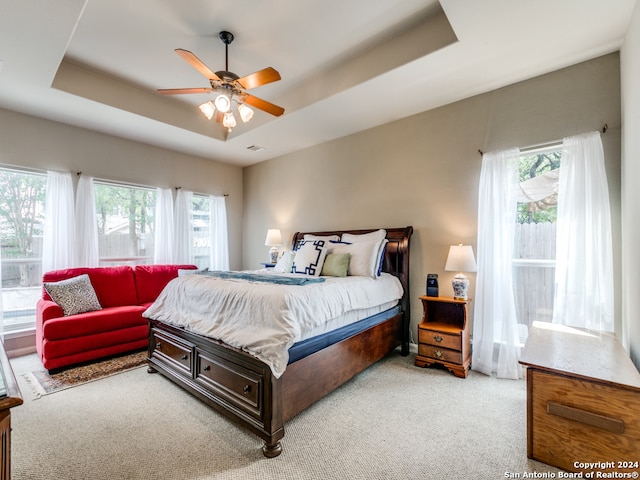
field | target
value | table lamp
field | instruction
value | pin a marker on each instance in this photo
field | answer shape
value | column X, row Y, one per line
column 460, row 259
column 274, row 238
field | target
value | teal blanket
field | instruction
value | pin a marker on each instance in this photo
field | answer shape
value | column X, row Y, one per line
column 264, row 278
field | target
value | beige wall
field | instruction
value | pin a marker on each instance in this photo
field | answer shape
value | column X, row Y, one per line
column 37, row 143
column 424, row 170
column 630, row 67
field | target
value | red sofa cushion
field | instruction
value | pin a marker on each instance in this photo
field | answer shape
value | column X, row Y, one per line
column 114, row 286
column 151, row 279
column 91, row 323
column 61, row 353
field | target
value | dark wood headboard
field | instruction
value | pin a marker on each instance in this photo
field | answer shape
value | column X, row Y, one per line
column 396, row 260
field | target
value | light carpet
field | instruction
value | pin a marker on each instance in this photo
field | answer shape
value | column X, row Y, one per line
column 393, row 421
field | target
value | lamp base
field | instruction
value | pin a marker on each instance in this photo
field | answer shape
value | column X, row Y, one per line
column 460, row 285
column 273, row 255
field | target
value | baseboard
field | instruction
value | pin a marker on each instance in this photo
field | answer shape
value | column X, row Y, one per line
column 19, row 352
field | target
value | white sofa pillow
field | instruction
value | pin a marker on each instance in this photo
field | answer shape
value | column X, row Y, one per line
column 75, row 295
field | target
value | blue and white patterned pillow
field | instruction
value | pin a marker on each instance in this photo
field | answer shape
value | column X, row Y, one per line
column 309, row 257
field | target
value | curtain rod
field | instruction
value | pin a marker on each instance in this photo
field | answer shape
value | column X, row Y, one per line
column 205, row 194
column 544, row 146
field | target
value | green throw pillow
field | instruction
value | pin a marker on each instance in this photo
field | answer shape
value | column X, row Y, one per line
column 336, row 265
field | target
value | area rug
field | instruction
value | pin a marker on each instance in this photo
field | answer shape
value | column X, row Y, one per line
column 44, row 383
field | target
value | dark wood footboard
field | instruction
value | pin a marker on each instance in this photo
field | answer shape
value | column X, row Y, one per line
column 243, row 388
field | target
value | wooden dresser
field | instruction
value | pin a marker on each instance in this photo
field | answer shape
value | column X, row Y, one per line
column 583, row 401
column 10, row 397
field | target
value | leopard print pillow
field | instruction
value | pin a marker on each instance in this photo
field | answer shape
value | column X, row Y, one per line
column 74, row 295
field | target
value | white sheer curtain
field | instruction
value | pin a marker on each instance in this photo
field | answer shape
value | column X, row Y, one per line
column 183, row 227
column 58, row 242
column 163, row 243
column 1, row 304
column 584, row 262
column 218, row 234
column 495, row 322
column 87, row 254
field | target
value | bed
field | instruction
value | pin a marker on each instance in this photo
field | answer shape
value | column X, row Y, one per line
column 245, row 388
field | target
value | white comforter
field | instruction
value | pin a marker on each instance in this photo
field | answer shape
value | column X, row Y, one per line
column 265, row 319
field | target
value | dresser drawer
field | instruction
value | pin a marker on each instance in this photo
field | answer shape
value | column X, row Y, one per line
column 238, row 385
column 170, row 349
column 573, row 419
column 439, row 339
column 439, row 353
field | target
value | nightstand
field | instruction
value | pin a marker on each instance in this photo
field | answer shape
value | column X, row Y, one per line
column 443, row 335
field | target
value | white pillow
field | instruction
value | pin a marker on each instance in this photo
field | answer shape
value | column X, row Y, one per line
column 190, row 271
column 377, row 236
column 285, row 263
column 309, row 257
column 365, row 257
column 326, row 238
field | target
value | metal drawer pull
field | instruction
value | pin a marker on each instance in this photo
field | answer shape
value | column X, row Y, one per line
column 437, row 338
column 207, row 368
column 246, row 389
column 184, row 357
column 438, row 353
column 158, row 345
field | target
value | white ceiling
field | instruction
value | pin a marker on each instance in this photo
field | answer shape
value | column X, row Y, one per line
column 346, row 65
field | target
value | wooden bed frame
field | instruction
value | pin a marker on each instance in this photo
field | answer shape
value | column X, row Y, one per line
column 243, row 388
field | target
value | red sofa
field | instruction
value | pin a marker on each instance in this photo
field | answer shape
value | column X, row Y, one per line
column 123, row 292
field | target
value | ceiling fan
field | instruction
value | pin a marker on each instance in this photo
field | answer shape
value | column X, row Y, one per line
column 228, row 88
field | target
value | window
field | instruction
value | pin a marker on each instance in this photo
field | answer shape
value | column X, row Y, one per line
column 201, row 215
column 125, row 217
column 535, row 236
column 22, row 203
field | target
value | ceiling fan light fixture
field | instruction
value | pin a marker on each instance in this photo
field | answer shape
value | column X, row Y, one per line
column 229, row 121
column 208, row 109
column 245, row 112
column 223, row 102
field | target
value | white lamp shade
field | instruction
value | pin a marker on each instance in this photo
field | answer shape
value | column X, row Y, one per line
column 461, row 259
column 274, row 237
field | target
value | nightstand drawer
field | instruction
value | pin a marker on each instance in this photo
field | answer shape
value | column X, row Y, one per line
column 439, row 339
column 439, row 353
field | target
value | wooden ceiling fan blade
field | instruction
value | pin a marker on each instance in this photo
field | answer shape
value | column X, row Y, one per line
column 179, row 91
column 262, row 77
column 196, row 63
column 264, row 105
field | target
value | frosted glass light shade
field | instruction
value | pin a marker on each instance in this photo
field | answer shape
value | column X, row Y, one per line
column 208, row 109
column 245, row 112
column 223, row 103
column 229, row 120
